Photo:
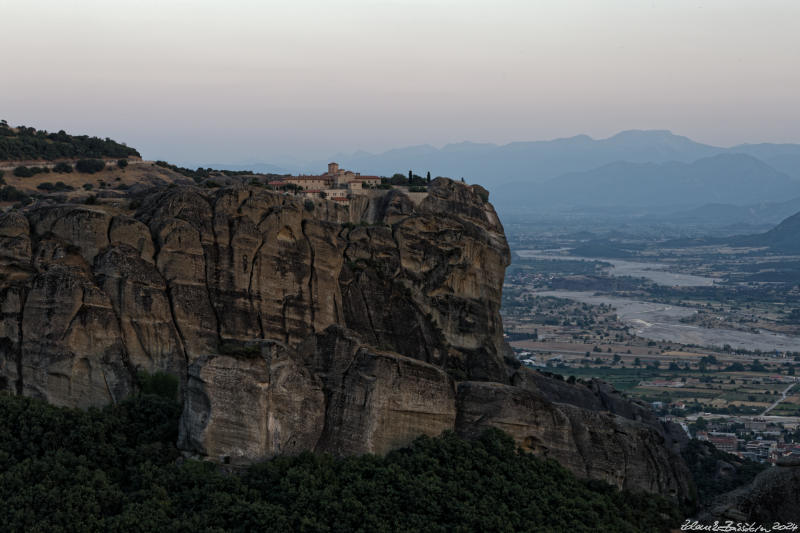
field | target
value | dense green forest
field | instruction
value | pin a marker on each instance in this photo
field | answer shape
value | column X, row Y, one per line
column 117, row 469
column 24, row 143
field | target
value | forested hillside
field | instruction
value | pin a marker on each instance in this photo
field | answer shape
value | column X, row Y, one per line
column 23, row 143
column 117, row 469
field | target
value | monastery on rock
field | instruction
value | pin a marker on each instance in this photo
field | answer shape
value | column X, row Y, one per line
column 336, row 184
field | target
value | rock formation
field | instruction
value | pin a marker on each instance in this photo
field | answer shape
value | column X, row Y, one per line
column 773, row 496
column 593, row 444
column 301, row 326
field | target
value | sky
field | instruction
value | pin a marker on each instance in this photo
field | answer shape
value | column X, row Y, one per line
column 239, row 81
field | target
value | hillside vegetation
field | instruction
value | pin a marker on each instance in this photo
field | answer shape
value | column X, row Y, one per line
column 23, row 143
column 117, row 469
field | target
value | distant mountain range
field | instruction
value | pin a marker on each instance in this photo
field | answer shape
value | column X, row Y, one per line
column 784, row 238
column 724, row 178
column 683, row 173
column 757, row 214
column 782, row 157
column 537, row 161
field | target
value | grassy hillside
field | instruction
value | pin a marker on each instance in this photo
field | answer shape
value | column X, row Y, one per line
column 117, row 469
column 23, row 143
column 112, row 184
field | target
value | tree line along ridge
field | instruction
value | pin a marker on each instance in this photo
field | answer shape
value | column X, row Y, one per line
column 23, row 143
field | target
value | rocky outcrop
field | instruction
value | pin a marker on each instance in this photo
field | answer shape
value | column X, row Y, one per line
column 594, row 395
column 773, row 496
column 93, row 294
column 599, row 396
column 297, row 325
column 593, row 444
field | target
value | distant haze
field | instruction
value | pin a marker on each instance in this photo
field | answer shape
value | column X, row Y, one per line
column 294, row 81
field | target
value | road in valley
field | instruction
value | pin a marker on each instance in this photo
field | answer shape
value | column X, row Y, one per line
column 783, row 397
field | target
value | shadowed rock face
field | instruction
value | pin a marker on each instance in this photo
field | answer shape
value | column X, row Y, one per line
column 596, row 395
column 598, row 445
column 773, row 496
column 375, row 400
column 251, row 405
column 339, row 329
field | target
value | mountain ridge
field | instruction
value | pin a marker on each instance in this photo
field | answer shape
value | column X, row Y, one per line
column 785, row 237
column 721, row 178
column 525, row 164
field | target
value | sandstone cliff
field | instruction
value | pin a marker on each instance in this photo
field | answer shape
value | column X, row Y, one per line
column 297, row 326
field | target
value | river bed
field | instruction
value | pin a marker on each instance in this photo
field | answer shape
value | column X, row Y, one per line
column 655, row 272
column 657, row 321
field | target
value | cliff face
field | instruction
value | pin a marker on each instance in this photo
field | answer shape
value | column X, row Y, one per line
column 594, row 444
column 772, row 497
column 299, row 327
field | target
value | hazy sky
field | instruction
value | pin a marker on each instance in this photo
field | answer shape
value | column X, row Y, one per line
column 237, row 80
